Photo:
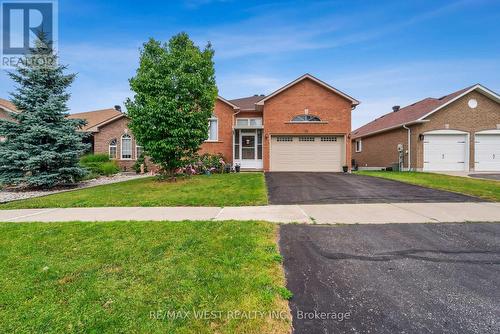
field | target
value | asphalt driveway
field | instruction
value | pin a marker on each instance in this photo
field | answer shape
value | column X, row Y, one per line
column 395, row 278
column 340, row 188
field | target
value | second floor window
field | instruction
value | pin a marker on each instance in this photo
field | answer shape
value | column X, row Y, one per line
column 306, row 118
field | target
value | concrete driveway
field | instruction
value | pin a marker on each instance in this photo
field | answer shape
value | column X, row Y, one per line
column 418, row 278
column 339, row 188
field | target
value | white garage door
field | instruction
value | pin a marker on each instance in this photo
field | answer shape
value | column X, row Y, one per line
column 487, row 153
column 307, row 153
column 445, row 152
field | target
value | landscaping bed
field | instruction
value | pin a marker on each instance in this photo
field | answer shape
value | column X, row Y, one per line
column 13, row 195
column 201, row 190
column 125, row 277
column 486, row 189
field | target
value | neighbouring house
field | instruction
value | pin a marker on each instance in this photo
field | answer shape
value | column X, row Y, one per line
column 302, row 126
column 6, row 109
column 109, row 134
column 456, row 132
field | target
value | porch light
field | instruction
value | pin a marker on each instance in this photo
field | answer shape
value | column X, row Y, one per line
column 420, row 137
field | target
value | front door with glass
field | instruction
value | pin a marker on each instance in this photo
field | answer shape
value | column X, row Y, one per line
column 248, row 146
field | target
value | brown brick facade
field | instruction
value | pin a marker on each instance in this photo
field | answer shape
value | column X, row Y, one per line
column 458, row 116
column 115, row 130
column 332, row 109
column 380, row 150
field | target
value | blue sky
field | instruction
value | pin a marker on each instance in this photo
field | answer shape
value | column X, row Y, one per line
column 381, row 52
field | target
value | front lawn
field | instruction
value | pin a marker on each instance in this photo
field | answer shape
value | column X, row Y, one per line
column 201, row 190
column 141, row 277
column 489, row 190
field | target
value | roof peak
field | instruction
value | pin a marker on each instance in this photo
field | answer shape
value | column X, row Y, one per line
column 416, row 111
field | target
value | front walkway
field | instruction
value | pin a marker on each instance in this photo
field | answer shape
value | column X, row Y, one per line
column 320, row 214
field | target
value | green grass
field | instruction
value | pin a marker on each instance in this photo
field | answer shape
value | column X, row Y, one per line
column 215, row 190
column 112, row 277
column 486, row 189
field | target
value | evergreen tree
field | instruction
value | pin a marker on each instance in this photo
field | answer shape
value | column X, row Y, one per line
column 175, row 94
column 41, row 148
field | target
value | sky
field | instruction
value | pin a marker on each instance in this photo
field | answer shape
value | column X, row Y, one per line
column 382, row 53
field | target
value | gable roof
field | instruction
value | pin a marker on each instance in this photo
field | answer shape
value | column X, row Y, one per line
column 227, row 102
column 247, row 103
column 7, row 105
column 96, row 117
column 417, row 112
column 313, row 78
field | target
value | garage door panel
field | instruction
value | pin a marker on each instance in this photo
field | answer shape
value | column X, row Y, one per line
column 487, row 153
column 445, row 152
column 312, row 155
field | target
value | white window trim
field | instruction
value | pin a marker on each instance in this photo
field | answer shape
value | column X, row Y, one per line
column 213, row 118
column 115, row 146
column 360, row 148
column 248, row 125
column 121, row 148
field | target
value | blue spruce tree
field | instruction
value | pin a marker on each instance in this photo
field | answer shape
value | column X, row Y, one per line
column 41, row 147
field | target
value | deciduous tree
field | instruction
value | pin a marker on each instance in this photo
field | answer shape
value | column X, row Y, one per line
column 175, row 93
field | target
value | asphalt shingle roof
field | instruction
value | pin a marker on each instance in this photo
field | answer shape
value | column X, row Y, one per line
column 247, row 103
column 405, row 115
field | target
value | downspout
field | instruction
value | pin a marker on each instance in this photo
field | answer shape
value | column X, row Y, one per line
column 409, row 146
column 232, row 126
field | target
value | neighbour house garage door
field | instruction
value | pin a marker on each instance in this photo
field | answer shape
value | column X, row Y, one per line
column 307, row 153
column 487, row 152
column 445, row 152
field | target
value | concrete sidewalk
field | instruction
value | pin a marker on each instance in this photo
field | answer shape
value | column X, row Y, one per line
column 320, row 214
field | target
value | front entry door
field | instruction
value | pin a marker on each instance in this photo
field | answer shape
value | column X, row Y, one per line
column 248, row 147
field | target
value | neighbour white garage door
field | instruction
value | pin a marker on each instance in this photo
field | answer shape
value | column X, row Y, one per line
column 307, row 153
column 445, row 152
column 487, row 153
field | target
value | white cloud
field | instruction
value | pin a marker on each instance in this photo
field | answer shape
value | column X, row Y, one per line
column 269, row 31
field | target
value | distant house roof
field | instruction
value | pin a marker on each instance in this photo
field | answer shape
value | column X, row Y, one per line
column 228, row 102
column 7, row 105
column 247, row 103
column 97, row 117
column 417, row 111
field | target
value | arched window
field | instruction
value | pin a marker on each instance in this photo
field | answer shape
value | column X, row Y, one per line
column 306, row 118
column 112, row 148
column 126, row 147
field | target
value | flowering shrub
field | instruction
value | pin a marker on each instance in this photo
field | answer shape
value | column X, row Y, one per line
column 204, row 164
